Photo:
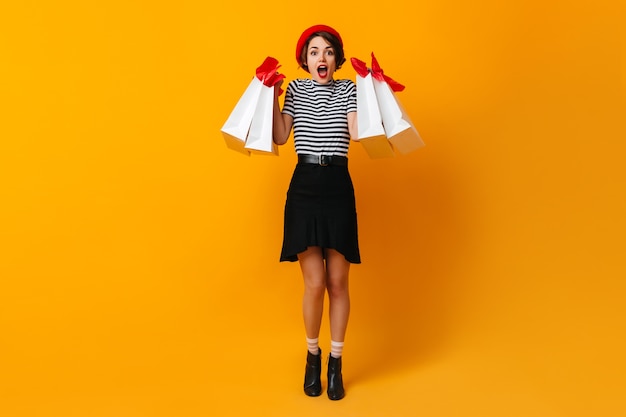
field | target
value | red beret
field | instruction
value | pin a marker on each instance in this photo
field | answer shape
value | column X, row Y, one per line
column 305, row 35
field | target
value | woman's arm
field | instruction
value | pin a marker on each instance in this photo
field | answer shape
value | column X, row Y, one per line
column 353, row 127
column 282, row 122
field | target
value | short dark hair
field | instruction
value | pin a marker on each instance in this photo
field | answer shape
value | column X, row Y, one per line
column 332, row 40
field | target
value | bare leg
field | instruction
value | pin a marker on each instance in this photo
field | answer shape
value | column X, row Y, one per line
column 338, row 293
column 314, row 274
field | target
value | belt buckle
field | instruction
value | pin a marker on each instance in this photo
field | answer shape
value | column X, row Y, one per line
column 321, row 158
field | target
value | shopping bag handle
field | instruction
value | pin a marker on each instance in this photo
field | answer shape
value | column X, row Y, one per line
column 360, row 67
column 377, row 72
column 268, row 74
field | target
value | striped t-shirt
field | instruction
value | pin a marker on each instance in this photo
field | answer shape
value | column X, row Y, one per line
column 320, row 115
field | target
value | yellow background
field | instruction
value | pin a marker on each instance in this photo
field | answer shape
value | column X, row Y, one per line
column 139, row 256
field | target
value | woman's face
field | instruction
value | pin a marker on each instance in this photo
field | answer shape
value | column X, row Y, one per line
column 320, row 60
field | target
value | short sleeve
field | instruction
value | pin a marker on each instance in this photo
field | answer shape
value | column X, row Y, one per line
column 288, row 106
column 351, row 93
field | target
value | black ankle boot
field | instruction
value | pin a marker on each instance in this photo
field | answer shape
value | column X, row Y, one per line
column 335, row 380
column 312, row 374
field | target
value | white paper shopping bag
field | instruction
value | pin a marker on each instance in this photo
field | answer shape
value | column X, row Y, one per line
column 236, row 128
column 371, row 133
column 260, row 137
column 398, row 126
column 251, row 116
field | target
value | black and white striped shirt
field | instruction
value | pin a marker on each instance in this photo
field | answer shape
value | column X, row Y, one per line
column 320, row 115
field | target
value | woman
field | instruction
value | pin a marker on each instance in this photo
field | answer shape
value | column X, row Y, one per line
column 320, row 230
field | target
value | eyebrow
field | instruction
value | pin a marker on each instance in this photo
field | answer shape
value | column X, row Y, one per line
column 315, row 47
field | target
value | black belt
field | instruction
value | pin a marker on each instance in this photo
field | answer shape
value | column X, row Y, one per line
column 323, row 160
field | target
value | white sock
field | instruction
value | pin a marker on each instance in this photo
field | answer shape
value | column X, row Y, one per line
column 336, row 349
column 313, row 345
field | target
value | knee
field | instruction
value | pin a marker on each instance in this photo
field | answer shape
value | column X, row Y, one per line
column 315, row 288
column 337, row 288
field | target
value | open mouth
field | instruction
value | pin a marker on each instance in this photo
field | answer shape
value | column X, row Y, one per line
column 322, row 71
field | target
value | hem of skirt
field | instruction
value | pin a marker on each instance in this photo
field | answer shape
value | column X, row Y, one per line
column 294, row 258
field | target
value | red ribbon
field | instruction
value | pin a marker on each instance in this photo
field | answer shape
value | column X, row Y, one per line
column 377, row 72
column 268, row 74
column 360, row 67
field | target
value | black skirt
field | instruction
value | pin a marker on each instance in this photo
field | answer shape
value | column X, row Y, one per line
column 320, row 211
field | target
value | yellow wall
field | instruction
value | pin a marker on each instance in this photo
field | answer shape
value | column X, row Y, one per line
column 139, row 256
